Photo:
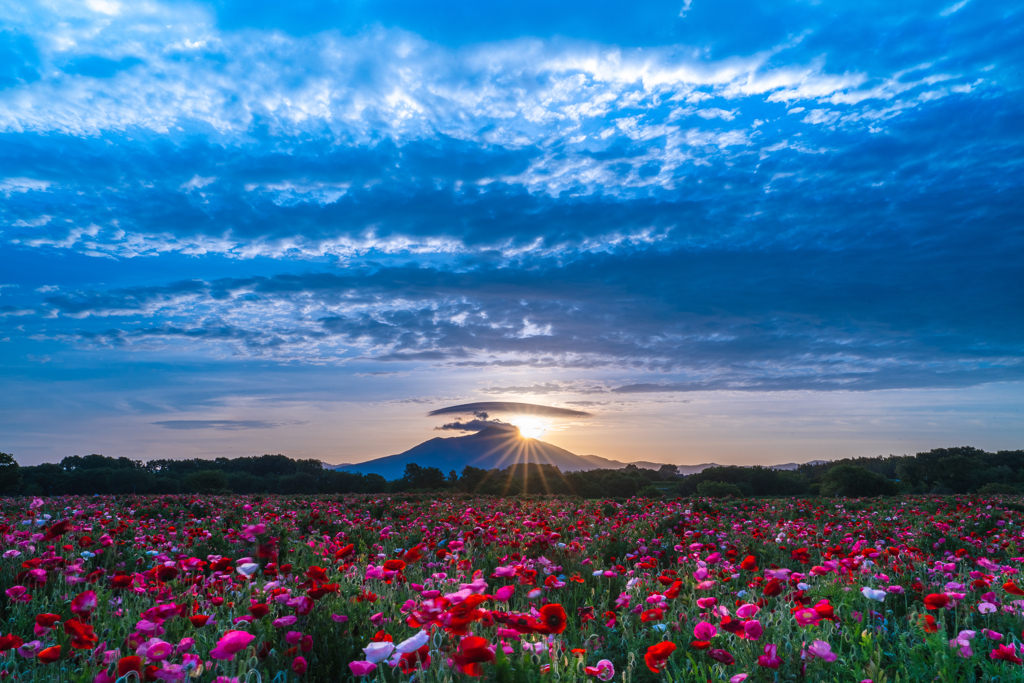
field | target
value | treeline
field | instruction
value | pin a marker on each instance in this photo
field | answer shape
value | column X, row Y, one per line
column 98, row 474
column 940, row 471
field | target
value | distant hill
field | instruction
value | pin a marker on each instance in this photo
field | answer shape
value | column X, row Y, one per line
column 497, row 446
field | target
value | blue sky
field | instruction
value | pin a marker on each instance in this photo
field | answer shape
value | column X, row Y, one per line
column 734, row 231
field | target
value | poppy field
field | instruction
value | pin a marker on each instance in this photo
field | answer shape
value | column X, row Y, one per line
column 517, row 589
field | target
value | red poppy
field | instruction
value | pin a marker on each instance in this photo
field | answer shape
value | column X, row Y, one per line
column 1007, row 653
column 749, row 563
column 824, row 610
column 414, row 554
column 164, row 573
column 700, row 644
column 47, row 620
column 130, row 663
column 268, row 550
column 673, row 591
column 394, row 565
column 657, row 655
column 318, row 574
column 49, row 655
column 936, row 601
column 56, row 531
column 721, row 656
column 773, row 588
column 350, row 549
column 652, row 615
column 82, row 635
column 410, row 661
column 458, row 618
column 473, row 651
column 733, row 626
column 259, row 610
column 929, row 624
column 199, row 620
column 552, row 619
column 1011, row 588
column 121, row 580
column 10, row 641
column 221, row 565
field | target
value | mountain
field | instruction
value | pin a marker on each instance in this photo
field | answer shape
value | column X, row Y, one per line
column 497, row 446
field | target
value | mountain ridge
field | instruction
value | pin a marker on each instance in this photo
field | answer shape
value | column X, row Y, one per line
column 499, row 446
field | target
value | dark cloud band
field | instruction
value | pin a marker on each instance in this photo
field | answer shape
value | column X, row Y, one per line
column 509, row 408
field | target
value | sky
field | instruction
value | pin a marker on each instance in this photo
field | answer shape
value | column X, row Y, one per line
column 733, row 231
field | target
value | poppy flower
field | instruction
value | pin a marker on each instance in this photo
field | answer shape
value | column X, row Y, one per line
column 259, row 610
column 10, row 641
column 84, row 604
column 721, row 656
column 230, row 644
column 410, row 661
column 749, row 563
column 936, row 601
column 770, row 659
column 473, row 651
column 56, row 531
column 700, row 644
column 318, row 574
column 82, row 635
column 929, row 624
column 1007, row 653
column 414, row 554
column 121, row 581
column 651, row 615
column 657, row 656
column 552, row 618
column 1011, row 588
column 394, row 565
column 199, row 620
column 129, row 663
column 704, row 631
column 47, row 620
column 49, row 655
column 604, row 670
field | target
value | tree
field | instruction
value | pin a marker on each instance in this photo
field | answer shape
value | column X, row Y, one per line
column 668, row 472
column 718, row 489
column 129, row 481
column 855, row 481
column 207, row 481
column 10, row 474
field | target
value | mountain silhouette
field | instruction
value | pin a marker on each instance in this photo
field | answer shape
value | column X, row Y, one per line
column 495, row 447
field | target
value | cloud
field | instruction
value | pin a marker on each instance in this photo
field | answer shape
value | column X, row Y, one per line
column 639, row 215
column 471, row 426
column 223, row 425
column 508, row 407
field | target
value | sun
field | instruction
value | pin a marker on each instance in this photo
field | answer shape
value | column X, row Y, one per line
column 531, row 427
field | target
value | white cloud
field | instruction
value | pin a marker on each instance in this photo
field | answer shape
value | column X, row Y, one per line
column 714, row 112
column 953, row 9
column 22, row 185
column 197, row 182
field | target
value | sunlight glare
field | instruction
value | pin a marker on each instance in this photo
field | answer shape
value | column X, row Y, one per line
column 530, row 427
